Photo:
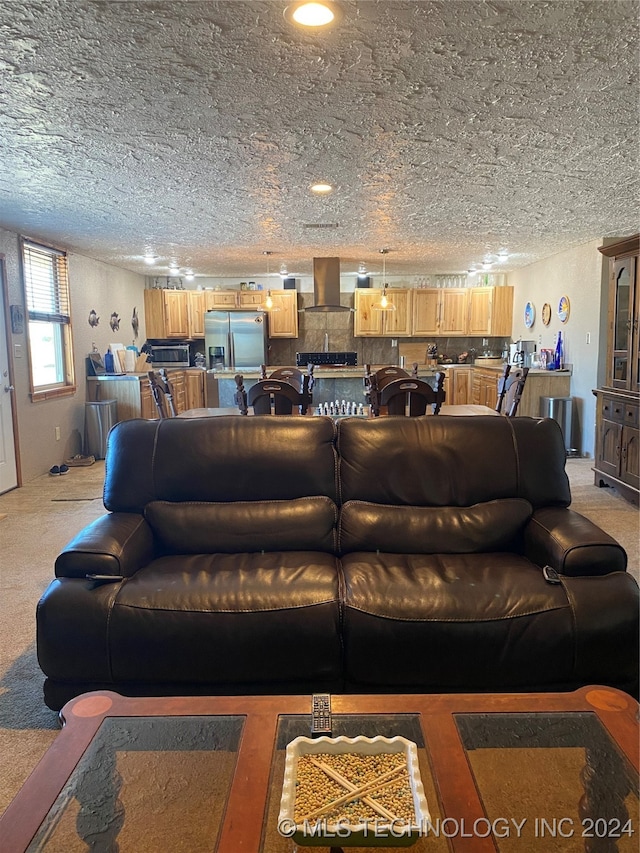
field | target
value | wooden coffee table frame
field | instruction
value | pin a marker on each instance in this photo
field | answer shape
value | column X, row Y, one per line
column 248, row 797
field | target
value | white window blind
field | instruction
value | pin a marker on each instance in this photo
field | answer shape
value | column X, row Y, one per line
column 46, row 284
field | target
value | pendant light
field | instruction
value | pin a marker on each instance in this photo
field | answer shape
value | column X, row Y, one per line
column 268, row 304
column 385, row 303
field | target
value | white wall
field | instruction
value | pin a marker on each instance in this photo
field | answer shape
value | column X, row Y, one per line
column 93, row 285
column 578, row 274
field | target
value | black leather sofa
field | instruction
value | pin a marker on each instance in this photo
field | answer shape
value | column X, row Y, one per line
column 288, row 554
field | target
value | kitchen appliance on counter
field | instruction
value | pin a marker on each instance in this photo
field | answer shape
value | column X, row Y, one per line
column 327, row 359
column 521, row 353
column 173, row 355
column 235, row 340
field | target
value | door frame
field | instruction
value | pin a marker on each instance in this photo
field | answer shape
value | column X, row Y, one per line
column 4, row 295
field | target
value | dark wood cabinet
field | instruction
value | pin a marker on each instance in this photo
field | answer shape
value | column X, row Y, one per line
column 617, row 454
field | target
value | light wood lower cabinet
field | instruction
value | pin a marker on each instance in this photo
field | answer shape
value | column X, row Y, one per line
column 134, row 398
column 457, row 385
column 484, row 387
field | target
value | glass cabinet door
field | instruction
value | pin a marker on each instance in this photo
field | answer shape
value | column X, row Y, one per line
column 624, row 365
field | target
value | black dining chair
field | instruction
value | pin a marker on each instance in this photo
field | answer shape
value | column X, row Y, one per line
column 272, row 396
column 412, row 396
column 162, row 393
column 514, row 391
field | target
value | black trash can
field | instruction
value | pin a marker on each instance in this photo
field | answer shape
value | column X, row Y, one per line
column 99, row 417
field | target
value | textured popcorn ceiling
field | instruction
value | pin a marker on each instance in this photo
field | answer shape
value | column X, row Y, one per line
column 194, row 129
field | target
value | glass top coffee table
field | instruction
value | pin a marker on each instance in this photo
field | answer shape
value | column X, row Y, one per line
column 501, row 772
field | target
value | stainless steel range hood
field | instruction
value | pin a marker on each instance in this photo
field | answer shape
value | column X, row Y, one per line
column 326, row 285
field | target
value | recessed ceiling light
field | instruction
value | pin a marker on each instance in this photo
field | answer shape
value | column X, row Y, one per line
column 321, row 188
column 486, row 265
column 173, row 269
column 318, row 13
column 189, row 275
column 150, row 259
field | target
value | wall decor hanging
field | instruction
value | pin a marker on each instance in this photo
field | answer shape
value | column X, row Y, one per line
column 93, row 318
column 17, row 319
column 114, row 322
column 529, row 315
column 135, row 323
column 563, row 309
column 546, row 313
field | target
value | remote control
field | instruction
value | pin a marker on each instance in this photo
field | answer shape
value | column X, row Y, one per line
column 321, row 715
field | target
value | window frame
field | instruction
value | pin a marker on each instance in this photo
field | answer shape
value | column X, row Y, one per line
column 62, row 319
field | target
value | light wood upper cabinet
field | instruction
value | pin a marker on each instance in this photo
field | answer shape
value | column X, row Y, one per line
column 439, row 312
column 453, row 316
column 220, row 299
column 370, row 322
column 490, row 311
column 367, row 322
column 283, row 323
column 166, row 314
column 196, row 313
column 425, row 312
column 251, row 298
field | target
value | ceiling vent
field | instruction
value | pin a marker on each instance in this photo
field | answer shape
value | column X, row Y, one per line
column 320, row 225
column 326, row 285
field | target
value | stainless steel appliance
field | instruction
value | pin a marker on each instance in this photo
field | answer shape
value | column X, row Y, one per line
column 173, row 355
column 235, row 340
column 327, row 359
column 521, row 353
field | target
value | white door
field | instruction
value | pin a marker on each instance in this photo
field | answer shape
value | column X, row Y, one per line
column 8, row 469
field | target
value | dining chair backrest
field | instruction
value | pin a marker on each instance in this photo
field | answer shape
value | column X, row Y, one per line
column 513, row 396
column 162, row 393
column 272, row 396
column 411, row 396
column 375, row 382
column 502, row 387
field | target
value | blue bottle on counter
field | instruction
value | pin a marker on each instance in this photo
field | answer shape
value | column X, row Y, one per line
column 108, row 361
column 558, row 360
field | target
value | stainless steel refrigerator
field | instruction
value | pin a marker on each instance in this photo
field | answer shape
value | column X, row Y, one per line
column 235, row 340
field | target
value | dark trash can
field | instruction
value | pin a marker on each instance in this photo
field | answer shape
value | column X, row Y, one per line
column 99, row 417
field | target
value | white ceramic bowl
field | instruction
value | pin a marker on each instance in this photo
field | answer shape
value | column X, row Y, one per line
column 379, row 833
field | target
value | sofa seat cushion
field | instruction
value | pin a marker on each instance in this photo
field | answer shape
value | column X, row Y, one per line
column 479, row 622
column 228, row 618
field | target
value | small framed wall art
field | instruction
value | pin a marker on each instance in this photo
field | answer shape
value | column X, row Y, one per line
column 546, row 313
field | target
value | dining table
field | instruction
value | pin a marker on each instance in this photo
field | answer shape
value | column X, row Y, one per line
column 462, row 410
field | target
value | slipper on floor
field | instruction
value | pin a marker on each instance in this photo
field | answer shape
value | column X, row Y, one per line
column 55, row 471
column 80, row 461
column 64, row 469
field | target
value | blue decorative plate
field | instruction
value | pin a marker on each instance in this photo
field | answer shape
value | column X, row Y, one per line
column 563, row 309
column 529, row 315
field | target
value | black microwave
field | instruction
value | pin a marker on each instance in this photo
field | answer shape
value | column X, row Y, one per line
column 171, row 355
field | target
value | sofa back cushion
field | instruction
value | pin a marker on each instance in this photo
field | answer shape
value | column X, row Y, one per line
column 194, row 527
column 229, row 458
column 492, row 526
column 452, row 461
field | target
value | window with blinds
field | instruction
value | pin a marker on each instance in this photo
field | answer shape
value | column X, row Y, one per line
column 46, row 285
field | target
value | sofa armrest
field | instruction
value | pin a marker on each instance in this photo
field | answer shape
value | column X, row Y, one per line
column 117, row 544
column 571, row 544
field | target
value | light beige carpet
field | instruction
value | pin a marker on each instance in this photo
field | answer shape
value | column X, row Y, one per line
column 45, row 514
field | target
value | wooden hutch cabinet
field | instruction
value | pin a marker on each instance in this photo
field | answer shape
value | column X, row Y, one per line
column 617, row 454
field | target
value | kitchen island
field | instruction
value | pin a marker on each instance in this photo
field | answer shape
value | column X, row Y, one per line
column 195, row 388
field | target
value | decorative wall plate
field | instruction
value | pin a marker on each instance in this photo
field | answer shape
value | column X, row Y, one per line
column 546, row 313
column 529, row 315
column 563, row 309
